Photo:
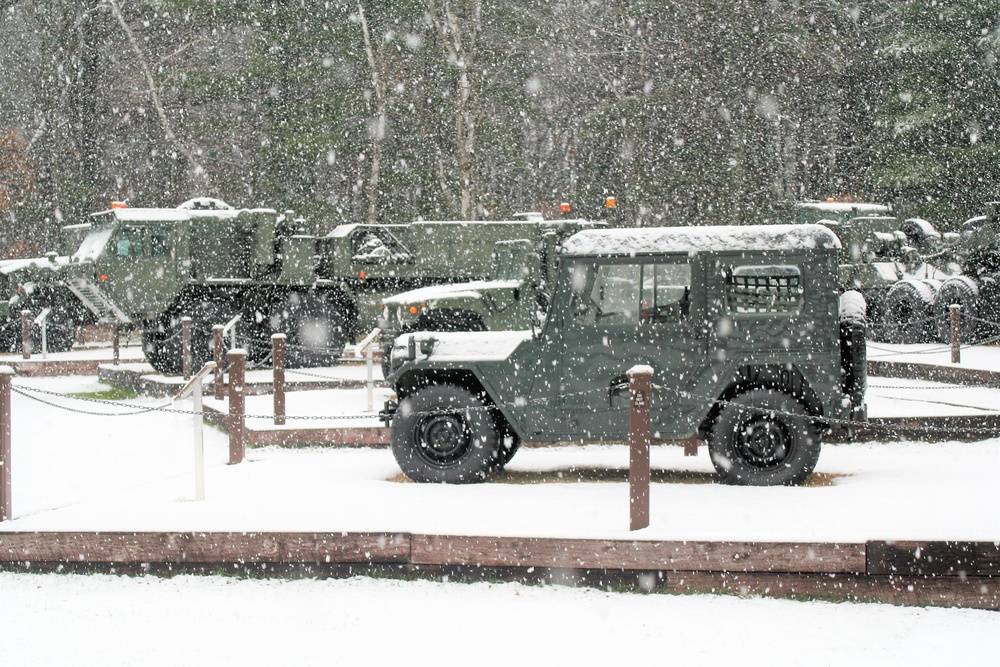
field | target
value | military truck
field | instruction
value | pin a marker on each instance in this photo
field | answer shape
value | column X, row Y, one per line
column 34, row 285
column 516, row 291
column 752, row 346
column 149, row 267
column 898, row 266
column 977, row 252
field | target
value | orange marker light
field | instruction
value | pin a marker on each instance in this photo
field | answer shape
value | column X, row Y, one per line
column 564, row 208
column 414, row 310
column 104, row 278
column 610, row 202
column 118, row 204
column 362, row 274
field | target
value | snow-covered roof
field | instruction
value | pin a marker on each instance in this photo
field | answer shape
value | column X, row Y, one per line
column 651, row 240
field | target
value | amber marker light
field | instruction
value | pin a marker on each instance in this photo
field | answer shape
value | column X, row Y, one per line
column 611, row 202
column 118, row 204
column 414, row 310
column 564, row 208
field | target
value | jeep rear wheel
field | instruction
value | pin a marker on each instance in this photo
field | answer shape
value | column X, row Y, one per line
column 444, row 433
column 764, row 438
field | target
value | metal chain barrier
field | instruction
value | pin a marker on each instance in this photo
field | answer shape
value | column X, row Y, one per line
column 27, row 392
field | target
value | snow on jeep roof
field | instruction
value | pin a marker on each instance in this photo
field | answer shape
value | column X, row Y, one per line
column 649, row 240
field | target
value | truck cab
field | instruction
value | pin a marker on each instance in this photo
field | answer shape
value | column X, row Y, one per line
column 741, row 325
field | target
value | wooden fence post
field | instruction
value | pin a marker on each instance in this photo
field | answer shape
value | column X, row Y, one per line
column 639, row 380
column 26, row 334
column 186, row 347
column 237, row 405
column 6, row 512
column 218, row 352
column 956, row 333
column 278, row 357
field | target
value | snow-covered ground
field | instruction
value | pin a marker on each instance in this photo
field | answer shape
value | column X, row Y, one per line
column 73, row 470
column 105, row 620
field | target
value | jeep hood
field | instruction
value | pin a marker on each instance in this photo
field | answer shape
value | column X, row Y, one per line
column 469, row 290
column 464, row 345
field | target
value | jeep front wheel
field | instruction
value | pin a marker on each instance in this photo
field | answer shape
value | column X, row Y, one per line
column 764, row 438
column 444, row 433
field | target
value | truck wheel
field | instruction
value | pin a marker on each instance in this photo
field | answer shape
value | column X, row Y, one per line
column 988, row 326
column 764, row 438
column 386, row 360
column 909, row 311
column 960, row 290
column 161, row 355
column 315, row 330
column 853, row 348
column 444, row 434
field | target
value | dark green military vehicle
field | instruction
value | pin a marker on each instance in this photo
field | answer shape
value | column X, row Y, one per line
column 752, row 346
column 150, row 267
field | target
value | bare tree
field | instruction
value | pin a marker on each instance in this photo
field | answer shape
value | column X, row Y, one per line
column 459, row 39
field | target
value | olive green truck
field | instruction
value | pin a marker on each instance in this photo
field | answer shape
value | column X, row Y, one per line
column 754, row 350
column 150, row 267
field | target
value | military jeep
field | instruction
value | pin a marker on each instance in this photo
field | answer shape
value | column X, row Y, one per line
column 752, row 348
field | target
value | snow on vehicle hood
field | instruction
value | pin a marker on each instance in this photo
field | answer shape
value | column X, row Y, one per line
column 469, row 290
column 650, row 240
column 11, row 265
column 466, row 345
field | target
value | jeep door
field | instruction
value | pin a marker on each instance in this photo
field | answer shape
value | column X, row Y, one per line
column 628, row 311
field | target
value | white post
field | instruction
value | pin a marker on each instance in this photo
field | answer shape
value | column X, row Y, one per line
column 366, row 347
column 199, row 445
column 42, row 321
column 371, row 377
column 194, row 388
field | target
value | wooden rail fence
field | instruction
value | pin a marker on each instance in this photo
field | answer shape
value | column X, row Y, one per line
column 964, row 574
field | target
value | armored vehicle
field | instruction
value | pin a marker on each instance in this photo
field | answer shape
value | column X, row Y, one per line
column 977, row 290
column 149, row 267
column 34, row 285
column 517, row 290
column 752, row 346
column 898, row 266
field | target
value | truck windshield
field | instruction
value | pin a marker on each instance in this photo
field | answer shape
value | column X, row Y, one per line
column 509, row 262
column 93, row 244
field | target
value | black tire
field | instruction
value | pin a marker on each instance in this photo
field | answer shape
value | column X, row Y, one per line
column 764, row 438
column 163, row 346
column 315, row 329
column 853, row 348
column 386, row 360
column 960, row 290
column 162, row 353
column 876, row 311
column 988, row 325
column 445, row 434
column 909, row 312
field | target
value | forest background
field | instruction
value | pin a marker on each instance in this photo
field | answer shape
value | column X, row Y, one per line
column 694, row 112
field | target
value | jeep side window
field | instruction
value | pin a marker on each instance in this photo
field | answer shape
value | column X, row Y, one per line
column 666, row 292
column 764, row 290
column 606, row 294
column 636, row 293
